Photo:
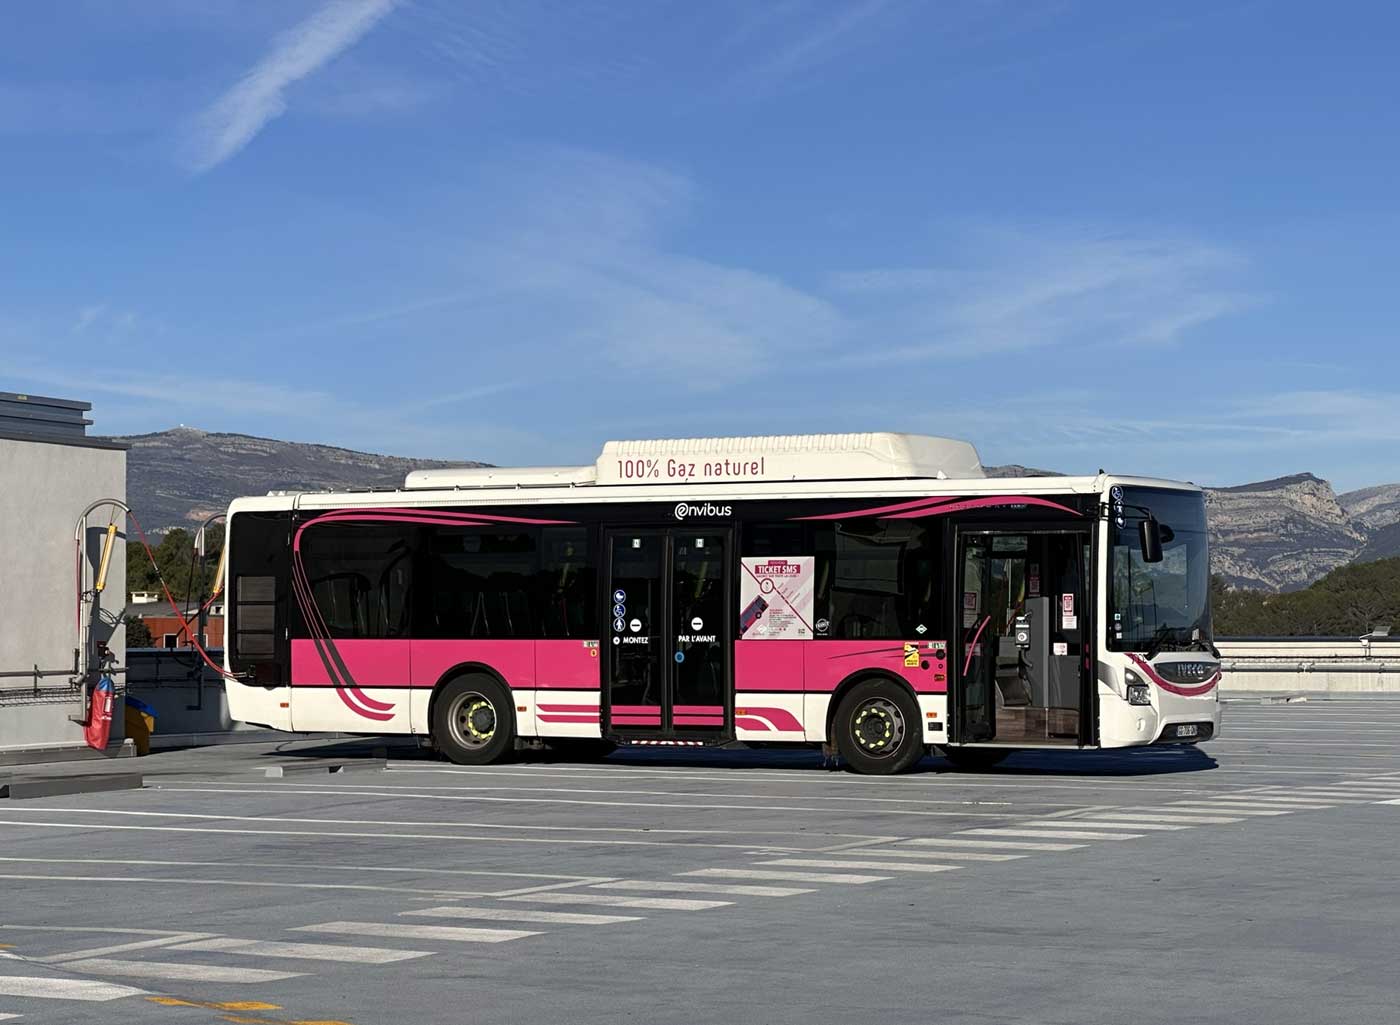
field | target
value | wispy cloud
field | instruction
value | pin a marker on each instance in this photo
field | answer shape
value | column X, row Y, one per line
column 794, row 38
column 585, row 256
column 180, row 391
column 241, row 113
column 586, row 248
column 1013, row 289
column 88, row 316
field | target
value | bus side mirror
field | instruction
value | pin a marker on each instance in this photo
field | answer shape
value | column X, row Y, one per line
column 1150, row 540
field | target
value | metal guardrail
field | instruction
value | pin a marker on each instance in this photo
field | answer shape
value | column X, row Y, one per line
column 173, row 667
column 1286, row 664
column 36, row 674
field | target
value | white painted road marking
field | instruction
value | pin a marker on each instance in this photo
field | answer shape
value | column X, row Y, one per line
column 1335, row 795
column 181, row 972
column 310, row 951
column 1011, row 845
column 122, row 948
column 63, row 989
column 905, row 852
column 608, row 900
column 884, row 866
column 796, row 877
column 1053, row 834
column 1266, row 801
column 127, row 880
column 521, row 915
column 417, row 932
column 1116, row 823
column 1204, row 806
column 260, row 865
column 341, row 834
column 737, row 889
column 1174, row 817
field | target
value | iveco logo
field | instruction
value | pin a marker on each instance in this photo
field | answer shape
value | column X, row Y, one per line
column 1185, row 672
column 687, row 509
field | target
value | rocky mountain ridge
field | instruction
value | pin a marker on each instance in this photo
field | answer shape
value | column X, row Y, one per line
column 180, row 477
column 1375, row 507
column 1282, row 534
column 1275, row 535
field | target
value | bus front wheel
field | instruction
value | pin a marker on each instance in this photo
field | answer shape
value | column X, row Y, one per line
column 473, row 723
column 877, row 728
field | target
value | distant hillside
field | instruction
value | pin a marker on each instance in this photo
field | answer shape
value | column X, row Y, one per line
column 179, row 477
column 1373, row 508
column 1017, row 470
column 1348, row 602
column 1274, row 535
column 1382, row 544
column 1285, row 533
column 1279, row 534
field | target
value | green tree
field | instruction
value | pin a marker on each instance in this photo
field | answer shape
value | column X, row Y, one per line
column 177, row 564
column 1348, row 602
column 138, row 634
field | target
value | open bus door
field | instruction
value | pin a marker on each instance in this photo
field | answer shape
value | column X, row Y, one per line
column 1022, row 669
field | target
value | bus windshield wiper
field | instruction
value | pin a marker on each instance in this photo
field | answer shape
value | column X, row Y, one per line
column 1160, row 639
column 1201, row 644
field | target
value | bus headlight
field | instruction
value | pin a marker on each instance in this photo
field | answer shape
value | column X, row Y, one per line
column 1138, row 692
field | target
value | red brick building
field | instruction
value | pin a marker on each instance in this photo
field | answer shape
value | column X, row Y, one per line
column 166, row 628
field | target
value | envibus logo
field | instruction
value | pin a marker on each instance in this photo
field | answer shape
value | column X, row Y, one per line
column 684, row 510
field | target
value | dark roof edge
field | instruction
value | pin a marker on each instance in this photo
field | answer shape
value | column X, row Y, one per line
column 73, row 442
column 44, row 400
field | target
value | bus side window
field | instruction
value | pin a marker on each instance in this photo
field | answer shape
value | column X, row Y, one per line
column 567, row 586
column 479, row 582
column 877, row 578
column 361, row 578
column 258, row 571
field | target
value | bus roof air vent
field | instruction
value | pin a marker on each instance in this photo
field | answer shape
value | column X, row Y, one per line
column 501, row 477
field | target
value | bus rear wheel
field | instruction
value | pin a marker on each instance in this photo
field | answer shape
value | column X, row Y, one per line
column 472, row 720
column 877, row 728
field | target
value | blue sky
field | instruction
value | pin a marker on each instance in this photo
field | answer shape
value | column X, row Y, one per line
column 1154, row 238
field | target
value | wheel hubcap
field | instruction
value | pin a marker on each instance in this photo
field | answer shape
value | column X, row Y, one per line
column 473, row 720
column 878, row 727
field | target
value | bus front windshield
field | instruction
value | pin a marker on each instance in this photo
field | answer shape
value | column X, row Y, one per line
column 1159, row 606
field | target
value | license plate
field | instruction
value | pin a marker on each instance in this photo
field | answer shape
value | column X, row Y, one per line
column 1186, row 731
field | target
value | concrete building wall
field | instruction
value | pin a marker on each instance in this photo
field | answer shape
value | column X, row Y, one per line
column 44, row 486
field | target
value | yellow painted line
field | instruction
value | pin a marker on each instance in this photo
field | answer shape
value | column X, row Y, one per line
column 240, row 1020
column 7, row 946
column 234, row 1005
column 245, row 1005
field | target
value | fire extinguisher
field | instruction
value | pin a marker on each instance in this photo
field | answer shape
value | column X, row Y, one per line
column 99, row 725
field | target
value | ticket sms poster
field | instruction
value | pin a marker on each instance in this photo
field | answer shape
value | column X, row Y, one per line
column 776, row 598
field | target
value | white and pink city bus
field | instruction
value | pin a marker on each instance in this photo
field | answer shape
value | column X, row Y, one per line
column 876, row 593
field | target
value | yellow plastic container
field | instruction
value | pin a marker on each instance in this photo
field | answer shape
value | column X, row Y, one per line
column 139, row 727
